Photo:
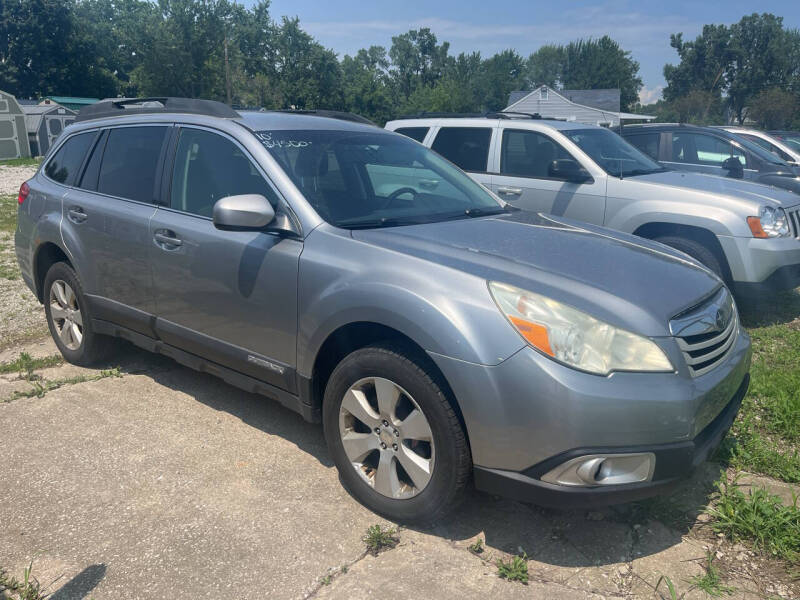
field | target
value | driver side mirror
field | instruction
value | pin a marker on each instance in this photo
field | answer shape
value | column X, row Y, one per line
column 568, row 170
column 248, row 212
column 734, row 167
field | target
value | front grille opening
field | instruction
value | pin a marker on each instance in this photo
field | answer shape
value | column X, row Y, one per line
column 708, row 349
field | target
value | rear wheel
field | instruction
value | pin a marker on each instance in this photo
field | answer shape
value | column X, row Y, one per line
column 69, row 320
column 394, row 436
column 696, row 250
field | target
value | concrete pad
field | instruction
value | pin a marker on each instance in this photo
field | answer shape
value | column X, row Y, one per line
column 787, row 492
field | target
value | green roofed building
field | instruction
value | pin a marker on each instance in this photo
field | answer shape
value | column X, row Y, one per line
column 70, row 102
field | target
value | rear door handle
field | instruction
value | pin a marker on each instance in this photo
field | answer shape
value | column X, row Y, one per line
column 76, row 214
column 166, row 239
column 509, row 191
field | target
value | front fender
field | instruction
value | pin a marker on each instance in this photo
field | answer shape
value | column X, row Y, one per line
column 717, row 220
column 443, row 310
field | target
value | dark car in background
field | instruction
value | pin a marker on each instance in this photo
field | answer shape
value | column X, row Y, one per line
column 711, row 151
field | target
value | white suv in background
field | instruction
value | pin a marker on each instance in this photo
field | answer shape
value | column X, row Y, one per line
column 747, row 233
column 770, row 143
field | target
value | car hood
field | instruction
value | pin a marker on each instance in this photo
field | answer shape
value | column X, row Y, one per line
column 624, row 280
column 745, row 190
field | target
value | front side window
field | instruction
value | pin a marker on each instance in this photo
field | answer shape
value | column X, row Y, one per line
column 529, row 154
column 612, row 153
column 359, row 179
column 415, row 133
column 130, row 160
column 467, row 147
column 64, row 165
column 208, row 167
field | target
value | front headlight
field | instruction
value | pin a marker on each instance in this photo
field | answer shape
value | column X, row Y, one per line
column 575, row 338
column 771, row 222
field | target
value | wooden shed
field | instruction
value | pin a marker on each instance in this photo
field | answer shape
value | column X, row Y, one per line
column 13, row 135
column 44, row 124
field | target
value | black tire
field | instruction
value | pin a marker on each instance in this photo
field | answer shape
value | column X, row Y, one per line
column 93, row 347
column 696, row 250
column 453, row 462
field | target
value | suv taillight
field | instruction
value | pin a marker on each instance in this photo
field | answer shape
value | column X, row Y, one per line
column 24, row 190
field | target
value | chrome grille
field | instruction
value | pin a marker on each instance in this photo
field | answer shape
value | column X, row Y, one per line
column 794, row 221
column 705, row 334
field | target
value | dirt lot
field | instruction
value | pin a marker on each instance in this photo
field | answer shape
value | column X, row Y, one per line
column 147, row 480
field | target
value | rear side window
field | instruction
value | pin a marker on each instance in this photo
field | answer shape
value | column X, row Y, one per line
column 130, row 161
column 415, row 133
column 647, row 143
column 64, row 165
column 467, row 147
column 209, row 167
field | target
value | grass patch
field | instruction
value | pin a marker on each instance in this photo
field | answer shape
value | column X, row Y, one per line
column 10, row 272
column 14, row 589
column 746, row 449
column 476, row 547
column 710, row 582
column 21, row 162
column 377, row 539
column 8, row 213
column 757, row 517
column 25, row 365
column 514, row 569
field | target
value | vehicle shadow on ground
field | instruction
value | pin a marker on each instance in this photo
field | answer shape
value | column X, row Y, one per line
column 773, row 309
column 82, row 584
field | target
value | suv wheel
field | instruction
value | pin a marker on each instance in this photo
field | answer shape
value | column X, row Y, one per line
column 395, row 438
column 69, row 320
column 696, row 250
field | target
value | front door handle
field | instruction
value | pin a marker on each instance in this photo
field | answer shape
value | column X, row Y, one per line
column 167, row 239
column 509, row 191
column 76, row 214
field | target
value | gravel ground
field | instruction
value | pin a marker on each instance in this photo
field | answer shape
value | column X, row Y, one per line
column 12, row 177
column 21, row 317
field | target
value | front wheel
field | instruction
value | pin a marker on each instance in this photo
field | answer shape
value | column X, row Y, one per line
column 696, row 250
column 394, row 436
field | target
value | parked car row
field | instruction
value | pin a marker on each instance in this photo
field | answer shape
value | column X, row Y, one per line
column 748, row 234
column 437, row 331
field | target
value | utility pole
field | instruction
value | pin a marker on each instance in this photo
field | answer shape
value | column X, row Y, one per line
column 227, row 72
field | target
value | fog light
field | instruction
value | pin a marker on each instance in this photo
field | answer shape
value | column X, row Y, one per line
column 604, row 469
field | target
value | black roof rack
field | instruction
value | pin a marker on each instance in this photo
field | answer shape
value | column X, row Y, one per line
column 331, row 114
column 481, row 115
column 127, row 106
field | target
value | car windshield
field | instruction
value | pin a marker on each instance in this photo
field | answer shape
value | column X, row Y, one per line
column 365, row 179
column 612, row 153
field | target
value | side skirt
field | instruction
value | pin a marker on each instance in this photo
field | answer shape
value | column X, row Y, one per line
column 234, row 378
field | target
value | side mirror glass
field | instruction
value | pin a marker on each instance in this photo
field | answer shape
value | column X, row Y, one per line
column 734, row 167
column 243, row 212
column 568, row 170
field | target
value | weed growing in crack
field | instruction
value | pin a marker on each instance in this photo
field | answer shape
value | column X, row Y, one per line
column 514, row 569
column 711, row 581
column 476, row 547
column 377, row 539
column 40, row 387
column 671, row 589
column 27, row 589
column 26, row 365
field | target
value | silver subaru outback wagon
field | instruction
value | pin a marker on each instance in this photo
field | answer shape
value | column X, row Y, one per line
column 355, row 276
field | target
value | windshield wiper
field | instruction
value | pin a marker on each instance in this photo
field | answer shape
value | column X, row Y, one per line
column 643, row 172
column 378, row 223
column 483, row 212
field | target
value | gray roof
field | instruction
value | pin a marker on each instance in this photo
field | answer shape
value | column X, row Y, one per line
column 262, row 121
column 608, row 100
column 34, row 114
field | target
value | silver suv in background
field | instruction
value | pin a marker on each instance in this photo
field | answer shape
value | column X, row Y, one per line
column 748, row 234
column 363, row 281
column 771, row 143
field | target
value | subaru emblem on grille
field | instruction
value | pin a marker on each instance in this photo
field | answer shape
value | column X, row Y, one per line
column 720, row 320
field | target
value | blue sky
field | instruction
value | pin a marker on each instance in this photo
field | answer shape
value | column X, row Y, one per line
column 488, row 26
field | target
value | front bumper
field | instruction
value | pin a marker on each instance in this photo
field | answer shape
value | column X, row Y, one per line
column 763, row 264
column 529, row 413
column 673, row 463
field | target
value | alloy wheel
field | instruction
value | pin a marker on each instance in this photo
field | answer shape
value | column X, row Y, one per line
column 66, row 314
column 387, row 437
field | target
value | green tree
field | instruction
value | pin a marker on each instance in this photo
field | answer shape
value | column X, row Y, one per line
column 546, row 66
column 499, row 75
column 774, row 108
column 417, row 60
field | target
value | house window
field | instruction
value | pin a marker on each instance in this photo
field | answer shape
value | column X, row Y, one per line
column 543, row 94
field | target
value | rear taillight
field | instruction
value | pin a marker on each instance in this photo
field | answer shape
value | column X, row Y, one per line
column 24, row 190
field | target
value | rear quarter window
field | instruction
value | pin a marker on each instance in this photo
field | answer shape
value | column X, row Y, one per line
column 467, row 147
column 64, row 165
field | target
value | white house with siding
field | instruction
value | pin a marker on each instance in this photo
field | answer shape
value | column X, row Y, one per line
column 593, row 107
